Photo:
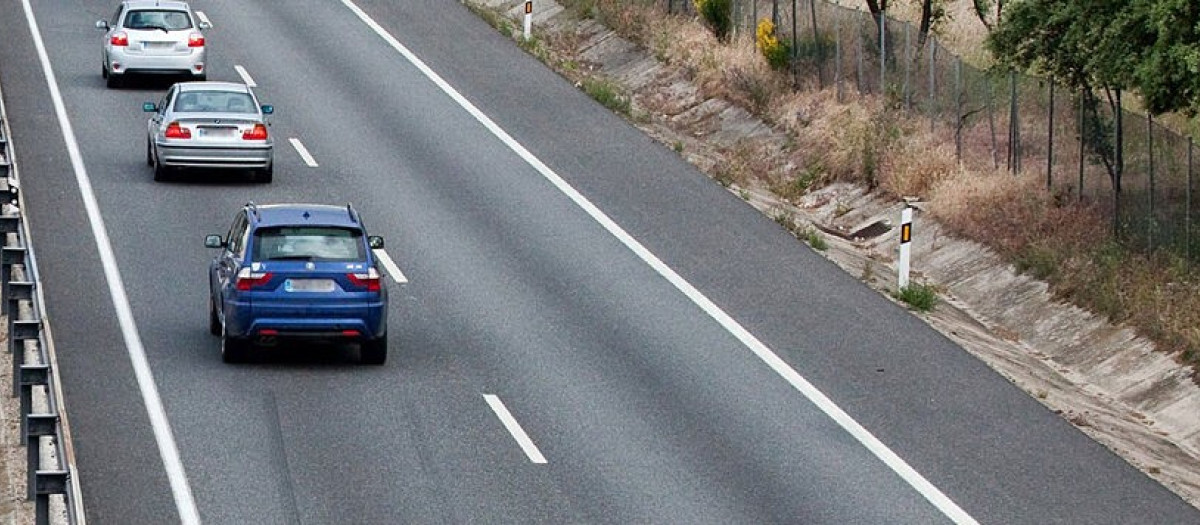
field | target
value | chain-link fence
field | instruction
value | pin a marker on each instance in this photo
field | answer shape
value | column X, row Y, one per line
column 1078, row 142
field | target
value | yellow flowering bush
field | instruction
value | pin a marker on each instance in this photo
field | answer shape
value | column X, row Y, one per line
column 776, row 51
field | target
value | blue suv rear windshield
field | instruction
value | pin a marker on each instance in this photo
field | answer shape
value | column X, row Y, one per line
column 308, row 243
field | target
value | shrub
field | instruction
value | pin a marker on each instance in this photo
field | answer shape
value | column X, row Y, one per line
column 814, row 50
column 718, row 14
column 776, row 51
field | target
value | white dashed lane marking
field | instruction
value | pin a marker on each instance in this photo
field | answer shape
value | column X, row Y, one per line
column 303, row 151
column 390, row 266
column 515, row 429
column 241, row 71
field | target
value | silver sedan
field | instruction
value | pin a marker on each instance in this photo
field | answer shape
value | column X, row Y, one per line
column 209, row 125
column 152, row 36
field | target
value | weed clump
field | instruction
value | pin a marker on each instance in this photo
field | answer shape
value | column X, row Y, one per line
column 920, row 297
column 608, row 94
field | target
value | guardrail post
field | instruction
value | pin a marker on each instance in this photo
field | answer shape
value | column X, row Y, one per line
column 31, row 376
column 18, row 333
column 47, row 483
column 5, row 162
column 37, row 425
column 9, row 224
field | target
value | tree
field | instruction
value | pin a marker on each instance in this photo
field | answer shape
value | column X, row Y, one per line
column 983, row 10
column 1169, row 77
column 932, row 12
column 1089, row 45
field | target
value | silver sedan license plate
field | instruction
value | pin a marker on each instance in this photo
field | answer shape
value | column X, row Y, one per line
column 308, row 285
column 222, row 133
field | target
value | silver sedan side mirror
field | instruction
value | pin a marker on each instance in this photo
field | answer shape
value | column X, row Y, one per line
column 102, row 25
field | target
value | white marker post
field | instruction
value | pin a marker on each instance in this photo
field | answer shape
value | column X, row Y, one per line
column 528, row 18
column 905, row 244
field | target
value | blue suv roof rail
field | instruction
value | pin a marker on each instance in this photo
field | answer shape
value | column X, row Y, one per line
column 353, row 214
column 252, row 208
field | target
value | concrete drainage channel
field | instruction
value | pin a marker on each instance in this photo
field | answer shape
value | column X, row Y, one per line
column 41, row 435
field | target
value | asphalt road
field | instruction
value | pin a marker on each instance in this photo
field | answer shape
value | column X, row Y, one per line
column 645, row 407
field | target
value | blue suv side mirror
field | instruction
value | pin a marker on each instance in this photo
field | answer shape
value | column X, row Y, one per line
column 213, row 241
column 375, row 242
column 149, row 107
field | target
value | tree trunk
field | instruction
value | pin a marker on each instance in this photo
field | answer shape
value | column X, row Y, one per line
column 926, row 22
column 877, row 8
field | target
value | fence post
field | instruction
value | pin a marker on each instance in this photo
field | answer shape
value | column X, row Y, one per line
column 932, row 83
column 1082, row 137
column 991, row 109
column 1187, row 217
column 837, row 50
column 1014, row 136
column 812, row 10
column 859, row 56
column 883, row 52
column 1120, row 167
column 795, row 43
column 1150, row 161
column 907, row 65
column 1050, row 141
column 959, row 118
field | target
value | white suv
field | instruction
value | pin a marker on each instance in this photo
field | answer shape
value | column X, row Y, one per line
column 153, row 37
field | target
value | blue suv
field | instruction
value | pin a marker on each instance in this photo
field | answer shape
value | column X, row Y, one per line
column 301, row 272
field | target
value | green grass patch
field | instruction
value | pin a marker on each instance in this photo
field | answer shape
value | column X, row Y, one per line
column 920, row 297
column 815, row 239
column 607, row 93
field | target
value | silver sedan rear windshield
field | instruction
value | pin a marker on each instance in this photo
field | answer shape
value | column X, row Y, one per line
column 308, row 243
column 214, row 102
column 161, row 19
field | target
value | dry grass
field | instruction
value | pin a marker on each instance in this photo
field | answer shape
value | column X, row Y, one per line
column 1014, row 214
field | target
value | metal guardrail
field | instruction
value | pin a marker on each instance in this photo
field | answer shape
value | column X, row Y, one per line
column 34, row 382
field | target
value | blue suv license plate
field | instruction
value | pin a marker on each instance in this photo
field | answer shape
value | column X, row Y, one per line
column 308, row 285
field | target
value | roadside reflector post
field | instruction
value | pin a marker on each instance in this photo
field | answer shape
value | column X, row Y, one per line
column 528, row 18
column 906, row 216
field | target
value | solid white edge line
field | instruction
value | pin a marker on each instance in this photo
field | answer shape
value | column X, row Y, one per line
column 246, row 78
column 390, row 266
column 515, row 429
column 180, row 489
column 203, row 18
column 303, row 151
column 48, row 334
column 930, row 492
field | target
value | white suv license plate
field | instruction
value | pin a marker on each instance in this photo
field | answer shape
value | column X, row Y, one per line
column 308, row 285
